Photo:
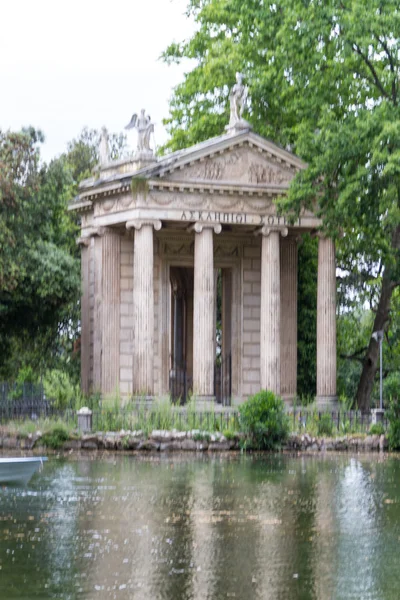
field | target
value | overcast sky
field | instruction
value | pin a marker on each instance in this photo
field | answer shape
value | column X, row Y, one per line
column 64, row 65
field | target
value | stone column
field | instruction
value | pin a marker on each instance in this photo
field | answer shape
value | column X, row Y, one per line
column 203, row 311
column 270, row 319
column 143, row 305
column 111, row 293
column 98, row 306
column 84, row 244
column 289, row 318
column 326, row 325
column 107, row 269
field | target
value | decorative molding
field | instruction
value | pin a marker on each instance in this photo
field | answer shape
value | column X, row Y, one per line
column 190, row 201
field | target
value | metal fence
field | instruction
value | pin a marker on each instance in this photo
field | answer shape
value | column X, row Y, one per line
column 343, row 421
column 179, row 383
column 149, row 419
column 223, row 380
column 23, row 401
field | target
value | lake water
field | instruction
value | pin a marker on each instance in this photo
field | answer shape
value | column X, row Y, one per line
column 180, row 527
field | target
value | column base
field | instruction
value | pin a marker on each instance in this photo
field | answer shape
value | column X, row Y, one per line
column 327, row 403
column 289, row 400
column 204, row 403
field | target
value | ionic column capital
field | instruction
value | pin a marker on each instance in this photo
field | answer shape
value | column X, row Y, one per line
column 95, row 232
column 138, row 224
column 199, row 226
column 83, row 242
column 266, row 230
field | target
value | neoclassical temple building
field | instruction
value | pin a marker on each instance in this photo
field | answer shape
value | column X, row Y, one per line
column 161, row 238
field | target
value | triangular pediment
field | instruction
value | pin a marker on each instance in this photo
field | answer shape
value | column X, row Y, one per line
column 244, row 160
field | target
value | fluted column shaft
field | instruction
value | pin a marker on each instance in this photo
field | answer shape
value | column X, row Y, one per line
column 326, row 323
column 111, row 267
column 143, row 306
column 106, row 318
column 203, row 311
column 97, row 311
column 270, row 319
column 289, row 318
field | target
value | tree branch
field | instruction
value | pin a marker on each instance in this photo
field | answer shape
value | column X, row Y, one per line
column 372, row 69
column 392, row 68
column 355, row 355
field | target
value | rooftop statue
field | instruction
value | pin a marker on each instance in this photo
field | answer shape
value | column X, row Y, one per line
column 238, row 103
column 104, row 149
column 145, row 128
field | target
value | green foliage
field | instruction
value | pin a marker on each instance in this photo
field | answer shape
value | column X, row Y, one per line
column 59, row 388
column 55, row 438
column 323, row 77
column 325, row 425
column 377, row 429
column 161, row 413
column 202, row 436
column 393, row 415
column 307, row 318
column 229, row 434
column 263, row 420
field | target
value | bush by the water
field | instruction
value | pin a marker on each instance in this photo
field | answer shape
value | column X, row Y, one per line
column 55, row 438
column 264, row 421
column 377, row 429
column 393, row 415
column 325, row 425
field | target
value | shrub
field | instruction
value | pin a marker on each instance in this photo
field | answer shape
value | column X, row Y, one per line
column 264, row 421
column 55, row 438
column 325, row 424
column 393, row 415
column 59, row 388
column 377, row 429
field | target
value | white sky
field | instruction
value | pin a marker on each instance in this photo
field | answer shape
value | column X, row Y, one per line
column 64, row 65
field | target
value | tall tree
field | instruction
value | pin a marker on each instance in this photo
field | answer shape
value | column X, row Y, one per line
column 324, row 78
column 39, row 258
column 39, row 274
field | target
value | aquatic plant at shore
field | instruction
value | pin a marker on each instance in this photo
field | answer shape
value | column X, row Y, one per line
column 264, row 421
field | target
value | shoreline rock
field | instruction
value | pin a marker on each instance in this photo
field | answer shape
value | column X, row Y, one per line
column 192, row 441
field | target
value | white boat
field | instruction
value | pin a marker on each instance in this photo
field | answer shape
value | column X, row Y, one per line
column 19, row 470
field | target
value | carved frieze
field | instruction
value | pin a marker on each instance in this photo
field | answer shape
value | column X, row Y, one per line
column 177, row 248
column 224, row 202
column 114, row 205
column 226, row 250
column 263, row 173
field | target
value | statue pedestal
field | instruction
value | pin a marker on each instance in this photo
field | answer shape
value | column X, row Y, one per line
column 239, row 126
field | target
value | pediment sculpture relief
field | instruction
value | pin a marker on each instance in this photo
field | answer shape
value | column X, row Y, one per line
column 242, row 165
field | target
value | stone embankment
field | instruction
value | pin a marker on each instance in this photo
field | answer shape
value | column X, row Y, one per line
column 351, row 443
column 195, row 441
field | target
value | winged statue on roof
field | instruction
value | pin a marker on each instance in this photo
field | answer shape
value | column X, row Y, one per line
column 142, row 123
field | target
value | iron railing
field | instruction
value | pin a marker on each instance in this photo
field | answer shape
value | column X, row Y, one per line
column 223, row 380
column 179, row 383
column 344, row 421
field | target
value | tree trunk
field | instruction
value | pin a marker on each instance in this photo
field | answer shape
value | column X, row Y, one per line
column 370, row 363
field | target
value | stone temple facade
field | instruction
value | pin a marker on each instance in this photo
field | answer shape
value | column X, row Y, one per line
column 155, row 235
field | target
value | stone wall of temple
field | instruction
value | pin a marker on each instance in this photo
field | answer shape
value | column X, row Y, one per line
column 251, row 273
